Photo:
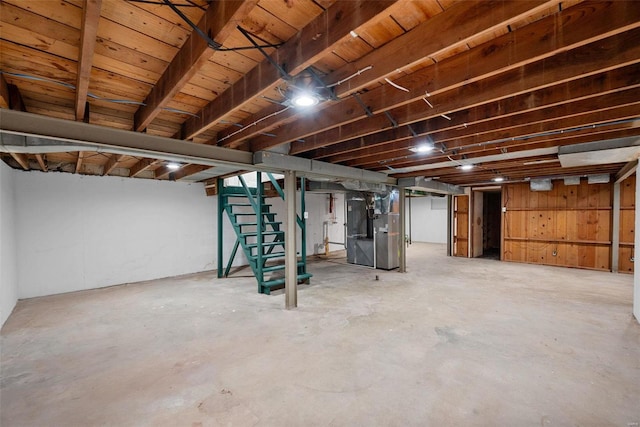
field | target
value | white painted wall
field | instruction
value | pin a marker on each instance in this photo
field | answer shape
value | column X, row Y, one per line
column 8, row 266
column 317, row 205
column 428, row 221
column 81, row 232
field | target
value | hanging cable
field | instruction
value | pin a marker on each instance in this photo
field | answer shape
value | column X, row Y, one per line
column 210, row 42
column 91, row 95
column 356, row 74
column 397, row 86
column 281, row 70
column 253, row 124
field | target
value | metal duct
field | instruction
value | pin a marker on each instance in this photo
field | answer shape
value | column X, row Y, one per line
column 609, row 151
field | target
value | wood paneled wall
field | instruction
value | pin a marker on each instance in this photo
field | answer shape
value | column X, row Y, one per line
column 627, row 224
column 568, row 226
column 461, row 226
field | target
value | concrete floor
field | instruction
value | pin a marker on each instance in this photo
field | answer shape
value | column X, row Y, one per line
column 452, row 342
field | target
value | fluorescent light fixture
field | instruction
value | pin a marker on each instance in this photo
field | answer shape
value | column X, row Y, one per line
column 541, row 185
column 571, row 180
column 304, row 99
column 466, row 167
column 598, row 179
column 173, row 166
column 422, row 148
column 498, row 179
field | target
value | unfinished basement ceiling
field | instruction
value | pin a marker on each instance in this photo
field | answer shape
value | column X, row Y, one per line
column 497, row 84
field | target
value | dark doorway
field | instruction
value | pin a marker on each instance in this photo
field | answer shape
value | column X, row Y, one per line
column 491, row 224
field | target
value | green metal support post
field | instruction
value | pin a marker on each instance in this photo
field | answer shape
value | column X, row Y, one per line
column 259, row 230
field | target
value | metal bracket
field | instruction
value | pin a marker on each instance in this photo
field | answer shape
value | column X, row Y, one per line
column 366, row 109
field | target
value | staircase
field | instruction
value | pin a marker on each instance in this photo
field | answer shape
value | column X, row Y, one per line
column 258, row 233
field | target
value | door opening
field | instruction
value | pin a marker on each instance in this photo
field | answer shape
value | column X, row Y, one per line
column 491, row 224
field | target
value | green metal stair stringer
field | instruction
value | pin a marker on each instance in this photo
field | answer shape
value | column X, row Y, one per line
column 266, row 227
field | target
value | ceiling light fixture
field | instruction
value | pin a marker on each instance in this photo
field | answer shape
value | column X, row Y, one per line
column 498, row 179
column 422, row 148
column 173, row 166
column 304, row 99
column 466, row 167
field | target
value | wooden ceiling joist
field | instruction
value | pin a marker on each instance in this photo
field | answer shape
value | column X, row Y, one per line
column 563, row 116
column 580, row 89
column 189, row 170
column 111, row 163
column 297, row 54
column 564, row 66
column 428, row 39
column 79, row 161
column 510, row 52
column 42, row 162
column 141, row 166
column 522, row 135
column 424, row 163
column 22, row 160
column 90, row 18
column 219, row 21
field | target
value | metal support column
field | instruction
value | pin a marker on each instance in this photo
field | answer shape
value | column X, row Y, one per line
column 290, row 259
column 303, row 209
column 615, row 229
column 403, row 231
column 259, row 230
column 221, row 204
column 449, row 225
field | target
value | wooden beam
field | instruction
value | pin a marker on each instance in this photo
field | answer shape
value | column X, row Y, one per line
column 90, row 18
column 300, row 51
column 42, row 162
column 219, row 22
column 566, row 66
column 22, row 160
column 142, row 166
column 509, row 137
column 111, row 163
column 453, row 28
column 571, row 91
column 626, row 171
column 4, row 92
column 79, row 161
column 449, row 29
column 585, row 28
column 500, row 127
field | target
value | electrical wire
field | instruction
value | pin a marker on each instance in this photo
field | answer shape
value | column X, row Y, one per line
column 356, row 74
column 253, row 124
column 91, row 95
column 210, row 42
column 397, row 86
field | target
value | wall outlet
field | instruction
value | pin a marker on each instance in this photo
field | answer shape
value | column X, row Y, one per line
column 306, row 215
